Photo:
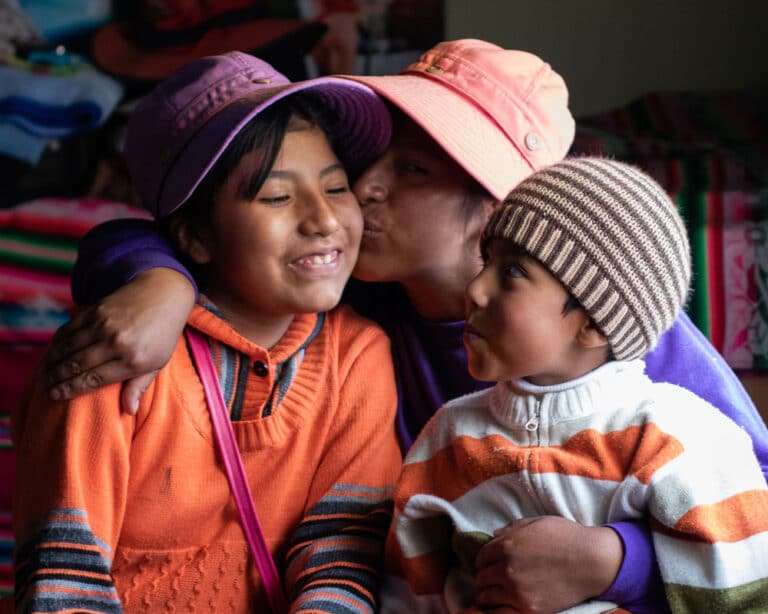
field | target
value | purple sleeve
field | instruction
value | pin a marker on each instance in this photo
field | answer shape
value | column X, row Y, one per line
column 113, row 253
column 638, row 586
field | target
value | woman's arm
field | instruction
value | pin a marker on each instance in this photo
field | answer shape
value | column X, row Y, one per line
column 145, row 297
column 547, row 563
column 112, row 254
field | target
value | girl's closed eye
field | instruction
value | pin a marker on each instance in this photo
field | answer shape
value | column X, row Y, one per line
column 273, row 200
column 335, row 180
column 342, row 189
column 274, row 192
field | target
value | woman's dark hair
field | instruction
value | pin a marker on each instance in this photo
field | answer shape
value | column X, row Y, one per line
column 264, row 133
column 475, row 196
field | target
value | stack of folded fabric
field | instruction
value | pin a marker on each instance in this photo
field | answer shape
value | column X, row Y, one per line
column 49, row 99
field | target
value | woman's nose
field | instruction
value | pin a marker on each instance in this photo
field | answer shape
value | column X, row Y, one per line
column 373, row 184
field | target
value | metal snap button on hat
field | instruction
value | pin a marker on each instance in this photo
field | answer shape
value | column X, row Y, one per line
column 532, row 141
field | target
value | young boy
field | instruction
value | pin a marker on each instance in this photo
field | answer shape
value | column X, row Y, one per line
column 586, row 264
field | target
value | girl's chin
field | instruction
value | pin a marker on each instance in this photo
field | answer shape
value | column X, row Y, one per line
column 321, row 302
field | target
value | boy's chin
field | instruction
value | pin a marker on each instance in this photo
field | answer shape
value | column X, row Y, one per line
column 480, row 374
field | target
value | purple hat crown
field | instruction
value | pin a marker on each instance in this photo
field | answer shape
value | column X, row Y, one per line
column 178, row 132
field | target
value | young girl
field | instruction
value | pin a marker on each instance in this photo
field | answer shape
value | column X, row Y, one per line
column 118, row 511
column 473, row 120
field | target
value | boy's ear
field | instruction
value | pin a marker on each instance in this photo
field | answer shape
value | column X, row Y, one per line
column 189, row 241
column 589, row 337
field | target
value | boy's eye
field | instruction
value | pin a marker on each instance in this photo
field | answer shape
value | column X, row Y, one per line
column 513, row 270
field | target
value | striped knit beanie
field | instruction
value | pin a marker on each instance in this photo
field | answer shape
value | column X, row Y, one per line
column 612, row 236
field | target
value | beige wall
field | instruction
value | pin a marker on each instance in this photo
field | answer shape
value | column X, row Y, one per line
column 610, row 51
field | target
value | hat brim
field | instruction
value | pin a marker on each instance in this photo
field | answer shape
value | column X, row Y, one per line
column 467, row 134
column 363, row 133
column 116, row 53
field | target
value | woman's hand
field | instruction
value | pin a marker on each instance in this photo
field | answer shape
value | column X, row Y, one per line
column 546, row 564
column 128, row 336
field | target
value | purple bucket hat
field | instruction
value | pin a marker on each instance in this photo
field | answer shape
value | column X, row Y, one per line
column 176, row 134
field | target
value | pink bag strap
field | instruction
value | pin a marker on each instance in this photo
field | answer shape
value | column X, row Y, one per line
column 233, row 466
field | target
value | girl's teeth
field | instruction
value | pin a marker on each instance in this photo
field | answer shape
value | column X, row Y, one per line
column 322, row 259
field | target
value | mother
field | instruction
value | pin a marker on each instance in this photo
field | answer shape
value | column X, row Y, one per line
column 471, row 121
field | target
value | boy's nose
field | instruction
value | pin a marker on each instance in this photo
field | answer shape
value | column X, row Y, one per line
column 475, row 295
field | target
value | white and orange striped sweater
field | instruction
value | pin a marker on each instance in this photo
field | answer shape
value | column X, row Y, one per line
column 608, row 446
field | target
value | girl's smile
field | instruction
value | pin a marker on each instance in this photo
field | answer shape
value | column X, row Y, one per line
column 325, row 261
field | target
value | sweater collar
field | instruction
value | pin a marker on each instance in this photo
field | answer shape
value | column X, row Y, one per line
column 517, row 403
column 207, row 319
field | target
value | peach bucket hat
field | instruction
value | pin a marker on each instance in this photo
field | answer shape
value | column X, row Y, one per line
column 500, row 113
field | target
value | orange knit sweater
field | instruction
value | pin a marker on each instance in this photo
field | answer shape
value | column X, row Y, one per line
column 114, row 510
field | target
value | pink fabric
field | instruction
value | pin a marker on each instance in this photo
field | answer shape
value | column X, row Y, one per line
column 20, row 285
column 65, row 217
column 738, row 280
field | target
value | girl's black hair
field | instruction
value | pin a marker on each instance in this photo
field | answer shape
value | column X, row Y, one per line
column 264, row 133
